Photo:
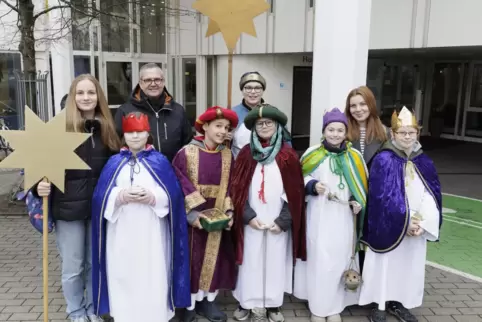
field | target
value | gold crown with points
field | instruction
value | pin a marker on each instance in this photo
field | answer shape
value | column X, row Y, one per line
column 404, row 118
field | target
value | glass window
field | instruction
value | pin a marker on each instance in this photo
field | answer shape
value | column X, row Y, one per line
column 210, row 81
column 189, row 70
column 119, row 82
column 173, row 75
column 9, row 62
column 82, row 66
column 80, row 26
column 115, row 26
column 476, row 92
column 153, row 26
column 473, row 127
column 445, row 91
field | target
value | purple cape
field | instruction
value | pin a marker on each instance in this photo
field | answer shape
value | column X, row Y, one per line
column 163, row 173
column 388, row 215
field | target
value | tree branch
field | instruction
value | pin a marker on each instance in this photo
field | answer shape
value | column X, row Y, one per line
column 10, row 6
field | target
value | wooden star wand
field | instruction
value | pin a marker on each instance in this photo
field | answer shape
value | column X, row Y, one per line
column 44, row 151
column 231, row 18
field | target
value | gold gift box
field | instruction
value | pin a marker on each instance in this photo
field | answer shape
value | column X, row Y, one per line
column 216, row 220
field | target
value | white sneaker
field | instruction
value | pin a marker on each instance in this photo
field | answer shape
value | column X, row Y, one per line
column 95, row 318
column 241, row 314
column 258, row 314
column 275, row 315
column 334, row 318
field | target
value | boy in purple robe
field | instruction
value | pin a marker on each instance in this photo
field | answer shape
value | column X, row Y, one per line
column 204, row 168
column 404, row 212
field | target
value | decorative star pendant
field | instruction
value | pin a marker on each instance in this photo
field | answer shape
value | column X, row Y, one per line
column 231, row 17
column 44, row 150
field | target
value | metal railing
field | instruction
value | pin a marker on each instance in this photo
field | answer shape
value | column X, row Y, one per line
column 32, row 90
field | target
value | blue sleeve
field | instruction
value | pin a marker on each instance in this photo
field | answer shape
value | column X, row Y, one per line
column 310, row 188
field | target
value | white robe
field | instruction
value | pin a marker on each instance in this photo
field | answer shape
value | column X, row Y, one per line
column 138, row 253
column 399, row 275
column 278, row 272
column 241, row 137
column 329, row 247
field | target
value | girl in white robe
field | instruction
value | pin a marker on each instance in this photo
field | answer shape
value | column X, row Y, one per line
column 331, row 232
column 394, row 271
column 140, row 195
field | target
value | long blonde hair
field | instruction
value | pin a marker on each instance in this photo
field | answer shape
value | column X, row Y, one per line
column 75, row 121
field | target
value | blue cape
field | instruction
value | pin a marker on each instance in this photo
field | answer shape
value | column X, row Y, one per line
column 162, row 171
column 388, row 215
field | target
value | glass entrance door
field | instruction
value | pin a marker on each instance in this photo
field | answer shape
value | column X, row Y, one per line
column 118, row 81
column 394, row 84
column 399, row 84
column 472, row 115
column 447, row 98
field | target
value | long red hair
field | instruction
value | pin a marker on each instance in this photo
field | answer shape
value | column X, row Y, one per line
column 374, row 127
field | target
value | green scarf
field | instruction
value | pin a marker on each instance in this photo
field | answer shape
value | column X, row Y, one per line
column 268, row 154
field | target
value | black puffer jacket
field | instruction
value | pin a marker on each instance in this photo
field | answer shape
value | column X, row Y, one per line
column 75, row 203
column 170, row 126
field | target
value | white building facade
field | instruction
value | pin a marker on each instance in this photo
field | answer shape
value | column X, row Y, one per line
column 424, row 54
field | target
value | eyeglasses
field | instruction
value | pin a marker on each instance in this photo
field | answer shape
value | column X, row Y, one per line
column 259, row 125
column 256, row 89
column 149, row 81
column 404, row 134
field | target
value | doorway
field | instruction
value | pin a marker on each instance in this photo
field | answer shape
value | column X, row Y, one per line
column 301, row 107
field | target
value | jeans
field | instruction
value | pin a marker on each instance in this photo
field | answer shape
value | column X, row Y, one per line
column 75, row 247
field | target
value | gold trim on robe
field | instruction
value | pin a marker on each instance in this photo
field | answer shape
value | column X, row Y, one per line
column 193, row 200
column 228, row 204
column 209, row 190
column 214, row 238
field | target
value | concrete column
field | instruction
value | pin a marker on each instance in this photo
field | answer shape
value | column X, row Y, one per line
column 340, row 55
column 61, row 52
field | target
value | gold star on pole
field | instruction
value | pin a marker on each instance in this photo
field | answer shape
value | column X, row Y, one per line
column 231, row 17
column 44, row 150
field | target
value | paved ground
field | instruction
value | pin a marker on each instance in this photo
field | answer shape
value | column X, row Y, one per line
column 448, row 297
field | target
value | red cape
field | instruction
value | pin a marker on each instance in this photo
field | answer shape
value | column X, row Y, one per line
column 294, row 186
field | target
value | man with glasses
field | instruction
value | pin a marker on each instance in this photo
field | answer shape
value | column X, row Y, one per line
column 170, row 127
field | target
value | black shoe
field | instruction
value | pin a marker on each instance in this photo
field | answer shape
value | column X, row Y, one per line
column 402, row 314
column 378, row 316
column 189, row 316
column 210, row 311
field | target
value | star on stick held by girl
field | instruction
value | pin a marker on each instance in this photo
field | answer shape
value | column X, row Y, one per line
column 44, row 150
column 231, row 17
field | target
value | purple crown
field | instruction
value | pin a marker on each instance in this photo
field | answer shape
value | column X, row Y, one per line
column 335, row 115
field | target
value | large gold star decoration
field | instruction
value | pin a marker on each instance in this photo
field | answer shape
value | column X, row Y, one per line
column 44, row 150
column 231, row 17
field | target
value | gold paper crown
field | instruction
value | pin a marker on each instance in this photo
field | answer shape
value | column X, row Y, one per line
column 404, row 118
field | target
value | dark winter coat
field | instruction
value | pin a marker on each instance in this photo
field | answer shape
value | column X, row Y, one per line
column 170, row 127
column 76, row 201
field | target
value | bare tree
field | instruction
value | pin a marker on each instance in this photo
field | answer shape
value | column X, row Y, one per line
column 75, row 16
